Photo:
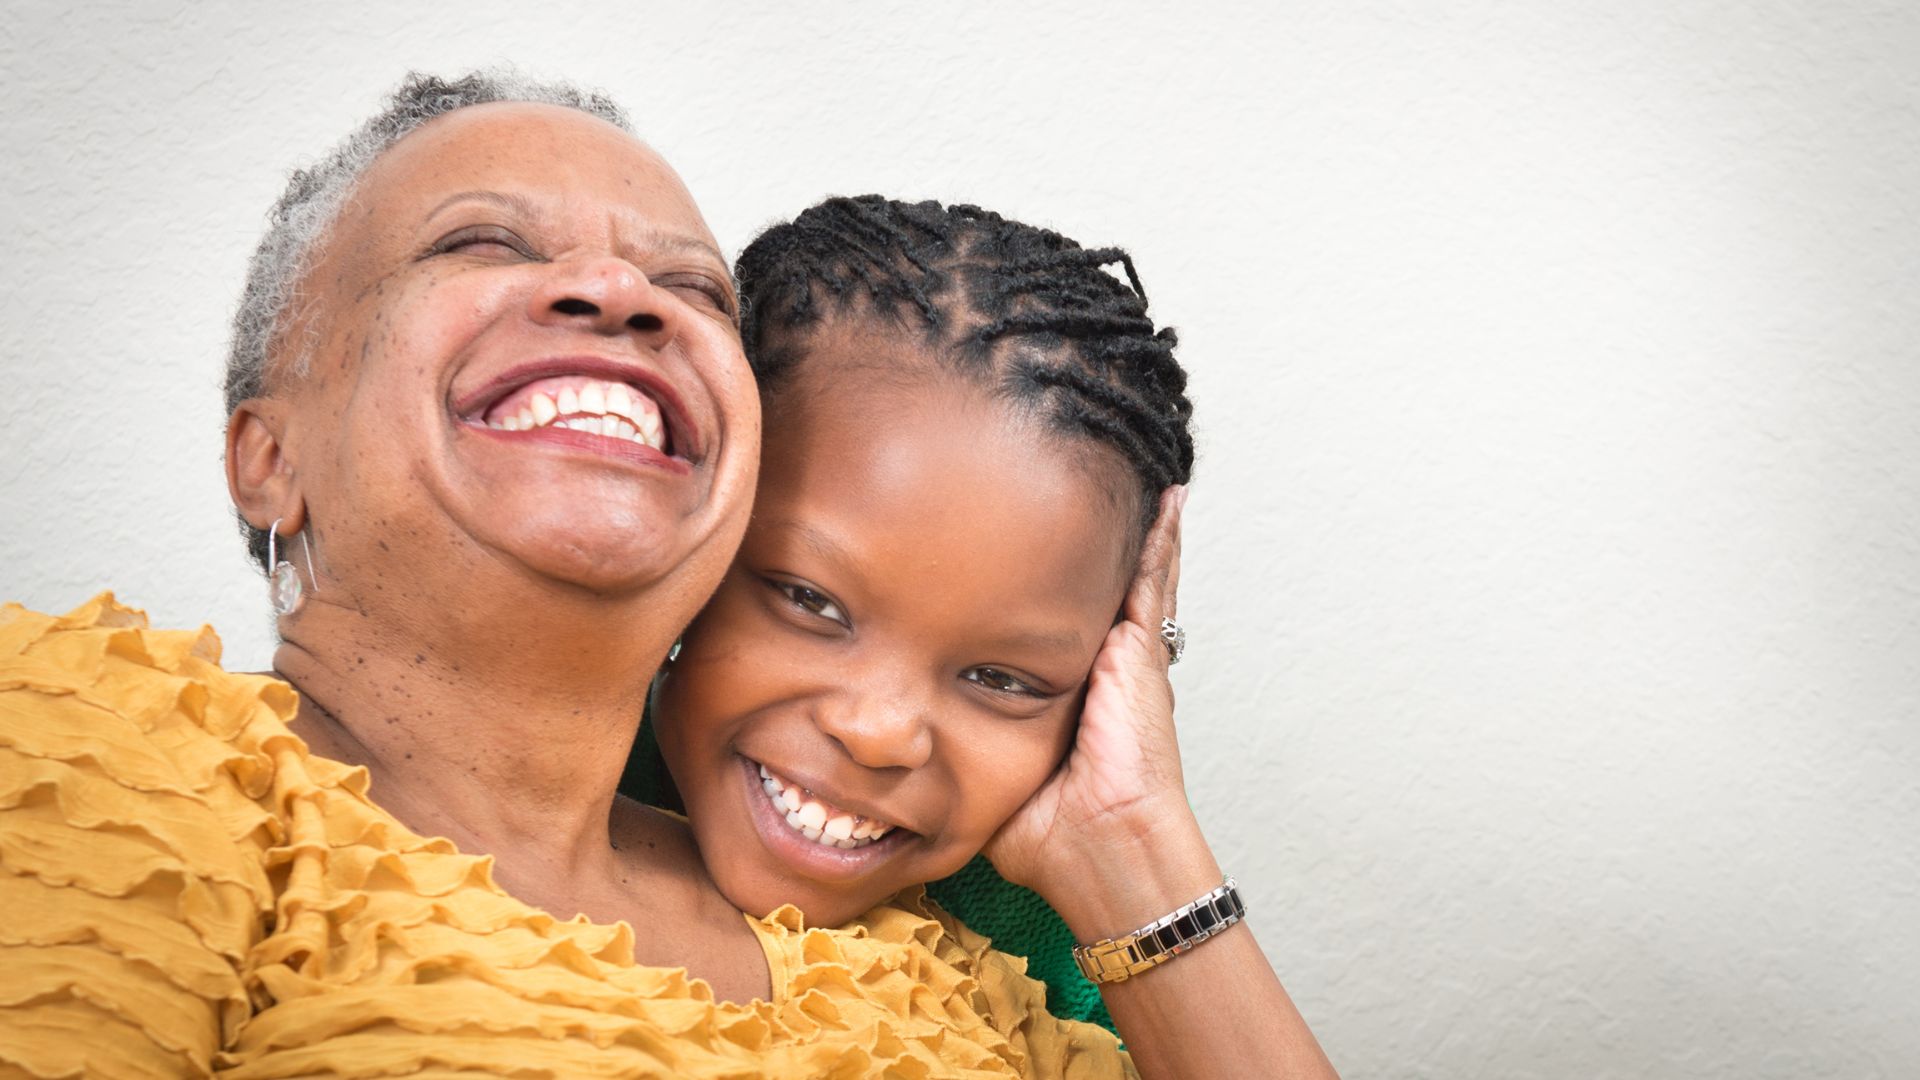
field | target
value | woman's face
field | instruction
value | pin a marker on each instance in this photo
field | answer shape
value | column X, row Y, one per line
column 524, row 364
column 901, row 645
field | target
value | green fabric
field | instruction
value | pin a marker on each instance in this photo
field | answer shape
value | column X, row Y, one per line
column 1020, row 922
column 1016, row 919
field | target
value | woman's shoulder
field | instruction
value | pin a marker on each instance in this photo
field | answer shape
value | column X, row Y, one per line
column 137, row 741
column 132, row 891
column 943, row 988
column 100, row 691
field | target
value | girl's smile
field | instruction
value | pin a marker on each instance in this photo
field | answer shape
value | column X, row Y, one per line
column 787, row 826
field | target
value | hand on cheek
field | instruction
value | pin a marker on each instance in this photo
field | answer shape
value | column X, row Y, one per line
column 1121, row 782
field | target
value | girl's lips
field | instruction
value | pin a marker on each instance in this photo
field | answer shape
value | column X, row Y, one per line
column 807, row 857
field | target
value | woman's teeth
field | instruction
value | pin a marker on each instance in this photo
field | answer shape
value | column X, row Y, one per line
column 614, row 410
column 820, row 822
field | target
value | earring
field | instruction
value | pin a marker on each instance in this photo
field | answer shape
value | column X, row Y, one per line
column 673, row 652
column 284, row 588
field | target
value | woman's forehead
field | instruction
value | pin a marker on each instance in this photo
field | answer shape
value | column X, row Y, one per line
column 552, row 158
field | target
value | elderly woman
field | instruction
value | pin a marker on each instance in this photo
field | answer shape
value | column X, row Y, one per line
column 472, row 598
column 470, row 615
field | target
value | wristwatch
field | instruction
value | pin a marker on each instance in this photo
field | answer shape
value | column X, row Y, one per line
column 1119, row 959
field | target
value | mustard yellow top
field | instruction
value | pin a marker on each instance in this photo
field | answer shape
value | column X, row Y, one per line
column 186, row 891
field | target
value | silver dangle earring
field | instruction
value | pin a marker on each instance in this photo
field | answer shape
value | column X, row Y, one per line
column 284, row 587
column 673, row 653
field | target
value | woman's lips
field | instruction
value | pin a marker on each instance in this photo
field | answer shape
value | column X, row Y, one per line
column 581, row 403
column 546, row 396
column 612, row 446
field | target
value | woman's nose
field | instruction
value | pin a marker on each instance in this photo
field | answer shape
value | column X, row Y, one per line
column 879, row 732
column 606, row 295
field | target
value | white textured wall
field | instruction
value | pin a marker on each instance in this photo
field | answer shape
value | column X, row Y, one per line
column 1553, row 566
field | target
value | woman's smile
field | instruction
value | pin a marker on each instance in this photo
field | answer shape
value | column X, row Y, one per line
column 604, row 406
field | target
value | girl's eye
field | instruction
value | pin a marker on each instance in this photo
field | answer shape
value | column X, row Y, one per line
column 1000, row 682
column 813, row 602
column 483, row 240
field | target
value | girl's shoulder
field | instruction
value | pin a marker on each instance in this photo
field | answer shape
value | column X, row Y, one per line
column 910, row 965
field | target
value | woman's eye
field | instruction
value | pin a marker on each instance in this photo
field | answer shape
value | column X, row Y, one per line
column 700, row 290
column 1000, row 682
column 813, row 602
column 483, row 240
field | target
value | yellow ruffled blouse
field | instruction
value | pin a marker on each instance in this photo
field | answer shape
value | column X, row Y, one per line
column 186, row 891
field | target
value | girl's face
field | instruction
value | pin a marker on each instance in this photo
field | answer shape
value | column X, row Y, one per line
column 896, row 659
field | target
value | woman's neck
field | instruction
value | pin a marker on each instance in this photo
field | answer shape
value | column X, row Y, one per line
column 507, row 733
column 508, row 738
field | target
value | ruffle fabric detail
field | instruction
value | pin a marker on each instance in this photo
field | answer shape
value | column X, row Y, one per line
column 189, row 892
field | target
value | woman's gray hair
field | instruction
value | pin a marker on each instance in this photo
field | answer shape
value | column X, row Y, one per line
column 315, row 196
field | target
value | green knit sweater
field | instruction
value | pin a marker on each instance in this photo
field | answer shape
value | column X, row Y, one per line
column 1016, row 919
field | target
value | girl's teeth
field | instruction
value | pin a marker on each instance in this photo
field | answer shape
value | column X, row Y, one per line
column 815, row 820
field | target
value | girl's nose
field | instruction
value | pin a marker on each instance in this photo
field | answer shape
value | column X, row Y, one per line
column 879, row 731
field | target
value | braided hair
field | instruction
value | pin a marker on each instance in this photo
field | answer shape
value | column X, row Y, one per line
column 1027, row 311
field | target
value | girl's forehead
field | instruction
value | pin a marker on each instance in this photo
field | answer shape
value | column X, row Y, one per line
column 901, row 465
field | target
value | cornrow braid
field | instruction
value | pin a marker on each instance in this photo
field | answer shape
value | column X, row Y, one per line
column 1026, row 309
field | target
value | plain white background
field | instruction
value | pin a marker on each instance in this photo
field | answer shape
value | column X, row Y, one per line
column 1554, row 557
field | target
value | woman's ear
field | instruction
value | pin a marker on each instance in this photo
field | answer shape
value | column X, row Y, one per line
column 260, row 477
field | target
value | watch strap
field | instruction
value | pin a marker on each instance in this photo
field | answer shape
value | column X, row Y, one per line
column 1120, row 958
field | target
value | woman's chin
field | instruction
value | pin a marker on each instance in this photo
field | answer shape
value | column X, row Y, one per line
column 603, row 554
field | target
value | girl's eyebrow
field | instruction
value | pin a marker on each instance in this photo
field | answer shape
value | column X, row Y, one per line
column 825, row 546
column 817, row 541
column 1050, row 640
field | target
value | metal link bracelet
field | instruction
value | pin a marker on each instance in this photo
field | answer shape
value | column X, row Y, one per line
column 1119, row 959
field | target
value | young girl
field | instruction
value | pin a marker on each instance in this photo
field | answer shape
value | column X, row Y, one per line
column 943, row 633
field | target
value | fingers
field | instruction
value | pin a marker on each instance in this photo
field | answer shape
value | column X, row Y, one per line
column 1149, row 597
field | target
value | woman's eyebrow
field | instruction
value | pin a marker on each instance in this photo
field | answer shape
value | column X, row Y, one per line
column 659, row 240
column 649, row 239
column 519, row 204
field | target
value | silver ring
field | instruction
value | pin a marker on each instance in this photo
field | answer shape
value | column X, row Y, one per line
column 1176, row 640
